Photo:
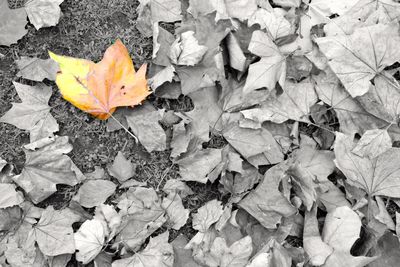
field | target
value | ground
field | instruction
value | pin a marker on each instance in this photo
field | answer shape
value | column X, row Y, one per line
column 85, row 30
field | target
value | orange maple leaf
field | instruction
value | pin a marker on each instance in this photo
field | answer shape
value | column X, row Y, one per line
column 100, row 88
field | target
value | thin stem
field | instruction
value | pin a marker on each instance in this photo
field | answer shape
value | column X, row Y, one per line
column 123, row 127
column 369, row 209
column 163, row 177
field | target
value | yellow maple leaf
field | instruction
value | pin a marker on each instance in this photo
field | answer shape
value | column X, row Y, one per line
column 99, row 88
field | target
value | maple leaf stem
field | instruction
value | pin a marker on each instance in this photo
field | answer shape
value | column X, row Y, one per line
column 369, row 208
column 123, row 127
column 163, row 177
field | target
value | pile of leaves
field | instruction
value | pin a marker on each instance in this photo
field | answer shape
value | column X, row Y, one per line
column 295, row 119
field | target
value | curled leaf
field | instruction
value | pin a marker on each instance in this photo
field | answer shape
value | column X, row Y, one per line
column 177, row 214
column 186, row 50
column 43, row 13
column 207, row 215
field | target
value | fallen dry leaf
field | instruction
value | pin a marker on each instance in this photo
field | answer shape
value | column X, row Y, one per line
column 381, row 219
column 89, row 240
column 100, row 88
column 45, row 168
column 209, row 70
column 240, row 9
column 203, row 7
column 151, row 12
column 181, row 138
column 37, row 69
column 317, row 250
column 237, row 255
column 197, row 165
column 9, row 217
column 387, row 249
column 276, row 255
column 237, row 59
column 272, row 20
column 182, row 257
column 293, row 104
column 174, row 185
column 321, row 10
column 205, row 114
column 94, row 192
column 266, row 203
column 225, row 9
column 364, row 13
column 373, row 143
column 376, row 176
column 157, row 253
column 319, row 163
column 208, row 214
column 258, row 146
column 360, row 57
column 177, row 214
column 12, row 24
column 332, row 197
column 9, row 196
column 287, row 3
column 162, row 41
column 382, row 99
column 165, row 10
column 353, row 118
column 54, row 233
column 161, row 77
column 110, row 217
column 122, row 168
column 200, row 245
column 270, row 69
column 298, row 68
column 143, row 214
column 186, row 50
column 144, row 122
column 303, row 185
column 20, row 249
column 43, row 13
column 341, row 230
column 33, row 114
column 103, row 259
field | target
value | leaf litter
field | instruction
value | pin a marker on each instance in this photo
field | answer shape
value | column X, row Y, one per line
column 308, row 119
